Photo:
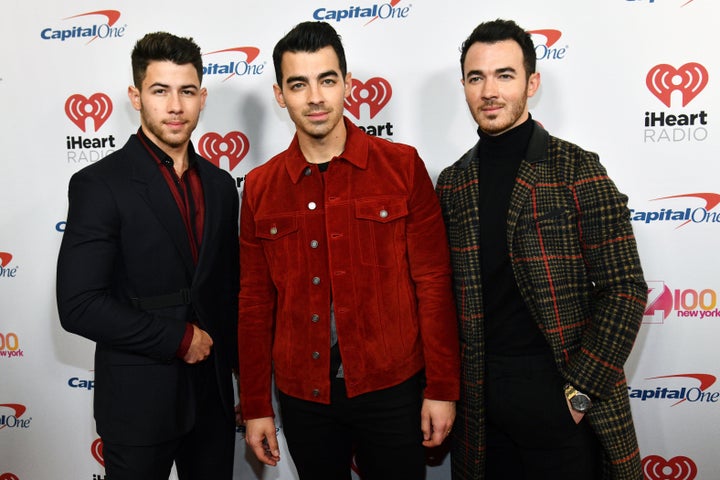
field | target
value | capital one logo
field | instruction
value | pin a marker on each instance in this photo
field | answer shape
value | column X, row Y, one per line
column 235, row 146
column 656, row 467
column 375, row 93
column 79, row 108
column 5, row 259
column 235, row 67
column 13, row 418
column 96, row 449
column 690, row 79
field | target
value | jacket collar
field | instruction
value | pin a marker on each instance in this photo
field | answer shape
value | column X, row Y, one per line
column 536, row 151
column 356, row 152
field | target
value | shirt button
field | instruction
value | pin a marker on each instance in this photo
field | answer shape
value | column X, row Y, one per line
column 308, row 171
column 383, row 213
column 314, row 244
column 316, row 393
column 312, row 205
column 316, row 280
column 273, row 231
column 316, row 355
column 315, row 318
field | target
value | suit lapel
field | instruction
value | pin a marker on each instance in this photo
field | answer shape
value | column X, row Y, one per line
column 151, row 185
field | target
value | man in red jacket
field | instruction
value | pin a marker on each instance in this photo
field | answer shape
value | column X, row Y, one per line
column 345, row 286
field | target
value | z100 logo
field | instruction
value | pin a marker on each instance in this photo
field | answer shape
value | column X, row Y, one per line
column 103, row 30
column 5, row 270
column 656, row 467
column 686, row 81
column 547, row 50
column 687, row 302
column 375, row 93
column 11, row 416
column 96, row 109
column 10, row 345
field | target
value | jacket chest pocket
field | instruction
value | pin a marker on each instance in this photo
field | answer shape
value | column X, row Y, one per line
column 279, row 236
column 381, row 230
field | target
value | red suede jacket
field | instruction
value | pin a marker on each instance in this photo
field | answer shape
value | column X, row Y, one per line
column 368, row 235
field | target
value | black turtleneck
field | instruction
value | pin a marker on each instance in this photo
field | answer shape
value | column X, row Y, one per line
column 509, row 328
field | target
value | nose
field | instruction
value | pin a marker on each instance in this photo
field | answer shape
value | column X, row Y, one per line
column 489, row 89
column 174, row 103
column 315, row 94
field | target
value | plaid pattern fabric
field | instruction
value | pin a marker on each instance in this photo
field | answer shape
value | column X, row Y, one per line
column 576, row 263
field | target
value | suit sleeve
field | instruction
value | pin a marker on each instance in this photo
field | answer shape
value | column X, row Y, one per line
column 88, row 263
column 613, row 266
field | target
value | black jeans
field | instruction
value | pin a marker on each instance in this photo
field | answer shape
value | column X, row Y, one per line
column 382, row 428
column 530, row 431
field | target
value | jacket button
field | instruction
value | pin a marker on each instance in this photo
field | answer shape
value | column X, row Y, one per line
column 316, row 355
column 273, row 231
column 314, row 244
column 316, row 280
column 316, row 393
column 383, row 213
column 312, row 205
column 308, row 171
column 315, row 318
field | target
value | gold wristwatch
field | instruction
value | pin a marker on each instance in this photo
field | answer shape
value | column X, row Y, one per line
column 578, row 400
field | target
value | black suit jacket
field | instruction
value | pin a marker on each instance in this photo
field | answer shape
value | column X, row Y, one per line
column 125, row 239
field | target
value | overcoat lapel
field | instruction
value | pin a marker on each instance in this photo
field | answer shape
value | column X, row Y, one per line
column 153, row 188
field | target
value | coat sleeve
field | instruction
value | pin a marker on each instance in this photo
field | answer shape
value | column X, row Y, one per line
column 88, row 263
column 613, row 266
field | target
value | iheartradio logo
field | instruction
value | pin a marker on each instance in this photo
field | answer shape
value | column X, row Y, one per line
column 235, row 146
column 664, row 79
column 376, row 93
column 8, row 476
column 79, row 108
column 656, row 467
column 97, row 451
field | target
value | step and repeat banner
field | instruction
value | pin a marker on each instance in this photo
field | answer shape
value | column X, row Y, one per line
column 637, row 81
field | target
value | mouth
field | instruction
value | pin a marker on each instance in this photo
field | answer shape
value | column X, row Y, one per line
column 317, row 116
column 175, row 124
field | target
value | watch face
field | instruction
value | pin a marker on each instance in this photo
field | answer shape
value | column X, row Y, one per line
column 580, row 402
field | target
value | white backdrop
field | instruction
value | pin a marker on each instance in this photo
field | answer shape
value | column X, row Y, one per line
column 633, row 80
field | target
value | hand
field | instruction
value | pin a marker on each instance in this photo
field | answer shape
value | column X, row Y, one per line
column 261, row 438
column 577, row 416
column 200, row 346
column 436, row 420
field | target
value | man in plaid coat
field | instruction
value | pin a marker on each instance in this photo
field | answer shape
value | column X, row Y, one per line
column 548, row 284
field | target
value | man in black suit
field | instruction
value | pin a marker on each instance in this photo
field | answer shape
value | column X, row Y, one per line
column 148, row 269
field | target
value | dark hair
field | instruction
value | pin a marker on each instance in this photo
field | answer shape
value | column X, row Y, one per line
column 497, row 31
column 308, row 37
column 162, row 46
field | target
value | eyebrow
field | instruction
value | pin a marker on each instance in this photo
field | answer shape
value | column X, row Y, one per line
column 182, row 87
column 302, row 78
column 497, row 71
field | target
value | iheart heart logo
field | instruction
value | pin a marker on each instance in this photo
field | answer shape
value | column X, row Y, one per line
column 98, row 107
column 656, row 467
column 234, row 146
column 664, row 79
column 376, row 92
column 8, row 476
column 97, row 451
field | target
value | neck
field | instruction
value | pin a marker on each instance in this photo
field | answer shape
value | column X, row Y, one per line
column 321, row 150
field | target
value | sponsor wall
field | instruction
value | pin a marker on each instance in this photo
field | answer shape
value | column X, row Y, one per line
column 634, row 80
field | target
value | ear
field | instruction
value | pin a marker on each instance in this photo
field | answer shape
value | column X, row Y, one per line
column 348, row 84
column 203, row 97
column 279, row 95
column 533, row 84
column 134, row 96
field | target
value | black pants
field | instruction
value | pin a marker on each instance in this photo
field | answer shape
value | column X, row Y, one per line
column 205, row 452
column 530, row 431
column 382, row 427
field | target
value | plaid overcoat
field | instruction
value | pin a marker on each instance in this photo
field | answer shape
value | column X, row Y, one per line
column 575, row 260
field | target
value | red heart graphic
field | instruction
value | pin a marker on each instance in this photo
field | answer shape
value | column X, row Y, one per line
column 98, row 107
column 656, row 467
column 97, row 451
column 376, row 92
column 235, row 146
column 690, row 80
